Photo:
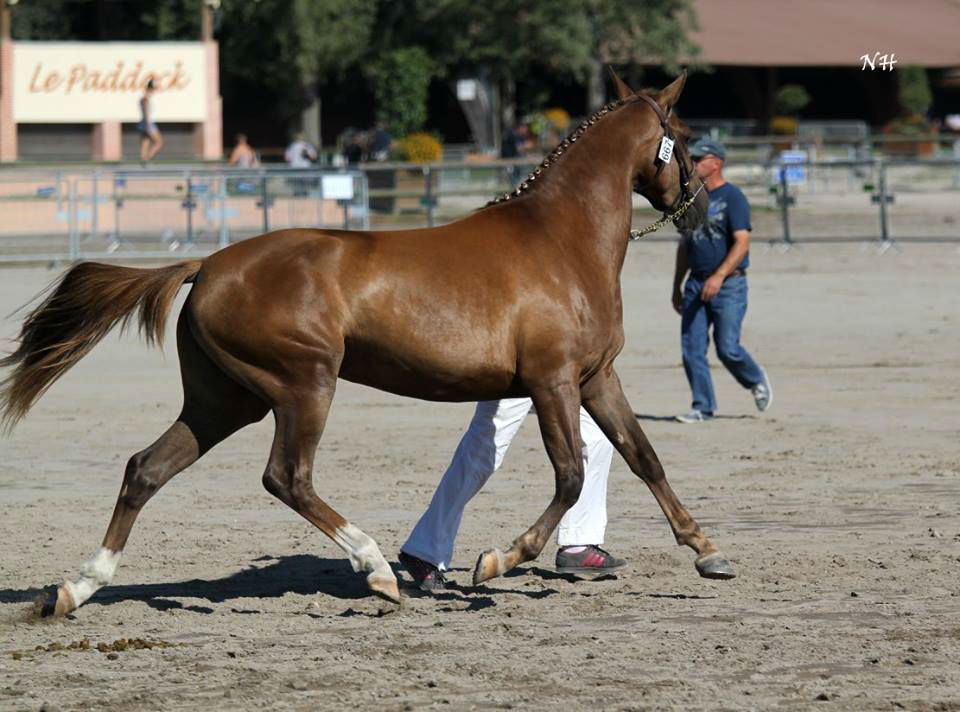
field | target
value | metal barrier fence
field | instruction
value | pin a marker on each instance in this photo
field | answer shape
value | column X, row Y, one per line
column 154, row 213
column 58, row 216
column 848, row 200
column 883, row 200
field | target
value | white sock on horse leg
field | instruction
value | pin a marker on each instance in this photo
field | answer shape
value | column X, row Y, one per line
column 362, row 550
column 94, row 575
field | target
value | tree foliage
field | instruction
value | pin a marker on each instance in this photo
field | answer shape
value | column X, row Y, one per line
column 131, row 20
column 914, row 89
column 290, row 49
column 569, row 40
column 293, row 46
column 400, row 80
column 790, row 99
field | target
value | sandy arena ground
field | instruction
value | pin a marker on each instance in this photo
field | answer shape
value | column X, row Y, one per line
column 839, row 509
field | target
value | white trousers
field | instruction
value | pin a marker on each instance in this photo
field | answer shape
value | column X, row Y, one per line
column 480, row 454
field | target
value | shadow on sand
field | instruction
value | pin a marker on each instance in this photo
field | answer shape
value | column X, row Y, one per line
column 673, row 418
column 273, row 577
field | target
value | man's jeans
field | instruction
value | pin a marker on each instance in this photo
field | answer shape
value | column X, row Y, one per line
column 725, row 312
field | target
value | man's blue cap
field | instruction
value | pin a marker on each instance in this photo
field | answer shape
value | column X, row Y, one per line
column 703, row 146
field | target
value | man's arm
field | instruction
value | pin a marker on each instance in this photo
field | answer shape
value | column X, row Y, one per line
column 679, row 272
column 739, row 249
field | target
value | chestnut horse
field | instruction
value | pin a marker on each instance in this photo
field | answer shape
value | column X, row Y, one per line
column 520, row 298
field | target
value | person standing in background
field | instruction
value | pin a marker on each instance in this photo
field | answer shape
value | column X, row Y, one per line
column 243, row 155
column 380, row 144
column 353, row 152
column 716, row 255
column 150, row 139
column 300, row 154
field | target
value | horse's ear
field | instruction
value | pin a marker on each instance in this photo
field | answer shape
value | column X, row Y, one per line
column 668, row 96
column 623, row 91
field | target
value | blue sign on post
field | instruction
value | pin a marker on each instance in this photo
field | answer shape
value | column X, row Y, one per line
column 794, row 174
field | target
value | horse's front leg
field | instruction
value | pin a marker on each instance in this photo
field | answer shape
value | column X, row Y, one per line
column 558, row 410
column 604, row 400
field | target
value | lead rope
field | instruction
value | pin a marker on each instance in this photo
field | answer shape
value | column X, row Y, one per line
column 684, row 206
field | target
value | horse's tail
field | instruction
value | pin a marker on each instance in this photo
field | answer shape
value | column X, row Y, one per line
column 81, row 307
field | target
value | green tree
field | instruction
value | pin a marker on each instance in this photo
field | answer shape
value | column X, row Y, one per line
column 280, row 53
column 500, row 40
column 293, row 46
column 400, row 81
column 636, row 33
column 40, row 22
column 790, row 99
column 914, row 89
column 570, row 40
column 136, row 20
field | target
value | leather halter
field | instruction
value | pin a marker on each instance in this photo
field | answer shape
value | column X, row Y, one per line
column 685, row 199
column 668, row 132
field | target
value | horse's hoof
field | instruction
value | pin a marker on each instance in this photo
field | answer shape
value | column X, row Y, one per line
column 715, row 566
column 54, row 603
column 385, row 588
column 489, row 565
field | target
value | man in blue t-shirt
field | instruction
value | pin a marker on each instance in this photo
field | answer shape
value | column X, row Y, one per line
column 716, row 255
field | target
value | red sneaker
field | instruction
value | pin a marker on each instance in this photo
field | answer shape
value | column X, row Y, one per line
column 591, row 560
column 426, row 576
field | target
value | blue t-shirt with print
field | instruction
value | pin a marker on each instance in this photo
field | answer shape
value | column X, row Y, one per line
column 707, row 246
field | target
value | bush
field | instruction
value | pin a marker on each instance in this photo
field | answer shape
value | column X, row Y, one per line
column 558, row 117
column 783, row 125
column 790, row 99
column 912, row 125
column 418, row 147
column 915, row 95
column 400, row 81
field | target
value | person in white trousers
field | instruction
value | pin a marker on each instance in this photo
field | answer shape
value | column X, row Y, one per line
column 429, row 549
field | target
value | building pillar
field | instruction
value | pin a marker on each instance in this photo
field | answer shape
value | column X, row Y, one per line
column 208, row 135
column 108, row 141
column 8, row 128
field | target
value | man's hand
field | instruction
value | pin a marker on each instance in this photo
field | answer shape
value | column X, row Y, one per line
column 711, row 287
column 677, row 300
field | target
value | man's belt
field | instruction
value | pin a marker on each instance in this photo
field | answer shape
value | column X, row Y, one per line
column 702, row 276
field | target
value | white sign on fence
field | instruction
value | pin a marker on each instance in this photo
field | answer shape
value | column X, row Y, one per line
column 335, row 187
column 89, row 82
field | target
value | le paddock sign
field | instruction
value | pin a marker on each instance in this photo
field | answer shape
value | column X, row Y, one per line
column 80, row 82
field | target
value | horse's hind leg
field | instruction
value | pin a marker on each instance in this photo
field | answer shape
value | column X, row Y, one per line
column 558, row 411
column 289, row 477
column 214, row 407
column 604, row 399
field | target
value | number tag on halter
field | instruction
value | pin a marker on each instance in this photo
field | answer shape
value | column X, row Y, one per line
column 666, row 149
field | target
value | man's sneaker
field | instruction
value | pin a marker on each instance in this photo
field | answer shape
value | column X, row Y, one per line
column 591, row 560
column 426, row 576
column 763, row 393
column 694, row 416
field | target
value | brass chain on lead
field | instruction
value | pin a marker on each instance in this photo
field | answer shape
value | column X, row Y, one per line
column 684, row 206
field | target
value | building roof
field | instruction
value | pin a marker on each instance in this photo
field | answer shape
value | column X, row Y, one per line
column 835, row 33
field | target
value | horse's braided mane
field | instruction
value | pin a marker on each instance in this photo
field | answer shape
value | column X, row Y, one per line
column 552, row 157
column 555, row 154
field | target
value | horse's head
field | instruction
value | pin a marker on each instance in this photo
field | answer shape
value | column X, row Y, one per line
column 666, row 184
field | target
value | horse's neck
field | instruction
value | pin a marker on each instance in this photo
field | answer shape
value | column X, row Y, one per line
column 585, row 196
